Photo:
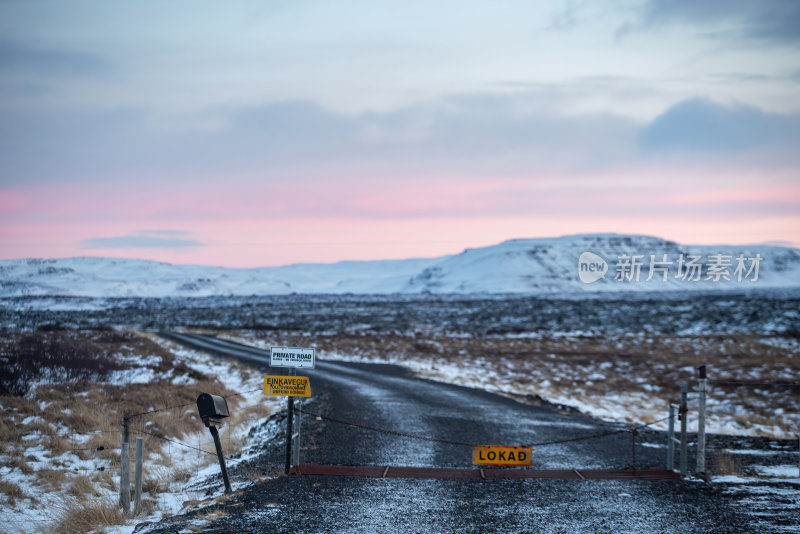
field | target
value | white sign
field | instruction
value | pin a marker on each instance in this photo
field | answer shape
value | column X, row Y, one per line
column 291, row 357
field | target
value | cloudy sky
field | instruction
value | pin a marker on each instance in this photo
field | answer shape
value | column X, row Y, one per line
column 263, row 133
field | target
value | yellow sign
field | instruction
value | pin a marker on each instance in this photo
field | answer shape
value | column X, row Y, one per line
column 497, row 455
column 287, row 386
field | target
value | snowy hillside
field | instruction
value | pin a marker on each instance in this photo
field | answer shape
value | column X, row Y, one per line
column 564, row 265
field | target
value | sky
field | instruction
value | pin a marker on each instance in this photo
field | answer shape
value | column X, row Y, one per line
column 251, row 133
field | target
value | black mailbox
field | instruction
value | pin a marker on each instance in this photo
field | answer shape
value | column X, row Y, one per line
column 212, row 408
column 701, row 372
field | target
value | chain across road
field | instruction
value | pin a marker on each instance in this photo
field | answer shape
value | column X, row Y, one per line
column 463, row 443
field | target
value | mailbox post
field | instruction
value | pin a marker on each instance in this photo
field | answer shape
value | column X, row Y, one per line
column 213, row 409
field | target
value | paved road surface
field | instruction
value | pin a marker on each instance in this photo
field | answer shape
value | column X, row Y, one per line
column 389, row 397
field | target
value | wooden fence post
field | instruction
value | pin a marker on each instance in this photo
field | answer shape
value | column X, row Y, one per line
column 125, row 466
column 125, row 479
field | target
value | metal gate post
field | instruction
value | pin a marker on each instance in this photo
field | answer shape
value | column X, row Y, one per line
column 701, row 422
column 671, row 438
column 683, row 414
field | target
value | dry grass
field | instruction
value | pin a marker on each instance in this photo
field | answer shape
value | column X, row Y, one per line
column 57, row 444
column 18, row 462
column 191, row 504
column 50, row 478
column 148, row 507
column 182, row 475
column 105, row 480
column 88, row 407
column 153, row 485
column 10, row 431
column 41, row 427
column 72, row 416
column 158, row 478
column 203, row 517
column 244, row 417
column 254, row 474
column 227, row 497
column 727, row 464
column 81, row 487
column 101, row 407
column 80, row 517
column 12, row 491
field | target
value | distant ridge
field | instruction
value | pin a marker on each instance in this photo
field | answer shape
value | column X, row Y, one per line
column 525, row 266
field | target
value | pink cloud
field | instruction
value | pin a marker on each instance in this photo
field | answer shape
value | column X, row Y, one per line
column 262, row 241
column 246, row 223
column 13, row 202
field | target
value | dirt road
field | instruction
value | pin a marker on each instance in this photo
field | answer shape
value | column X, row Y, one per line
column 388, row 397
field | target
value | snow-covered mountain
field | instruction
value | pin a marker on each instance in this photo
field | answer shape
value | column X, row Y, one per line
column 533, row 266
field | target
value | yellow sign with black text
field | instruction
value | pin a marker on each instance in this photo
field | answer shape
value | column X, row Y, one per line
column 498, row 455
column 287, row 386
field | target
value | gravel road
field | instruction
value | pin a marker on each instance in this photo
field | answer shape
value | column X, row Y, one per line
column 389, row 397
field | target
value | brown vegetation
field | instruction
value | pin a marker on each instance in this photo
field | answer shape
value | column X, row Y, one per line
column 50, row 356
column 52, row 479
column 18, row 462
column 78, row 517
column 12, row 491
column 727, row 464
column 81, row 487
column 73, row 412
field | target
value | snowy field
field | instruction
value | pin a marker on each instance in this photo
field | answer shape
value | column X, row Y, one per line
column 55, row 479
column 618, row 358
column 621, row 378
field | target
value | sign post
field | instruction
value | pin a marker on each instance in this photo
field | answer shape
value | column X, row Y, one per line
column 290, row 414
column 292, row 386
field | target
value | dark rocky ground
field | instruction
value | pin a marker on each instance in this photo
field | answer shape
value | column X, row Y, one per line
column 760, row 312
